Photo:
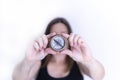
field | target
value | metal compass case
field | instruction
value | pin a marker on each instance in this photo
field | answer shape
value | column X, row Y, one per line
column 58, row 43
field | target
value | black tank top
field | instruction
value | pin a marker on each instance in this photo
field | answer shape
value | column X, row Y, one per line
column 73, row 75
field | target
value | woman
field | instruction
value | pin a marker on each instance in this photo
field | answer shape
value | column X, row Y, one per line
column 44, row 63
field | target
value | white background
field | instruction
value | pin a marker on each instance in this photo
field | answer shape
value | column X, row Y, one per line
column 98, row 21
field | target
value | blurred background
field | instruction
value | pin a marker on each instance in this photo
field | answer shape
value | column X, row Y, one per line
column 97, row 21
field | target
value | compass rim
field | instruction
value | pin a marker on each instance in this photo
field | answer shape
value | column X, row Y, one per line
column 60, row 37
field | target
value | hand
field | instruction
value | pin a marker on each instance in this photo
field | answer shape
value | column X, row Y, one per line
column 38, row 50
column 80, row 51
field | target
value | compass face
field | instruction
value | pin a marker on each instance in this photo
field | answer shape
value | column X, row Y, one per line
column 57, row 43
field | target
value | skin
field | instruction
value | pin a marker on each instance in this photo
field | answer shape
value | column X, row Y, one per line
column 80, row 52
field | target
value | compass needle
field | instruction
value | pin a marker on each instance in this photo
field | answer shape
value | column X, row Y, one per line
column 58, row 43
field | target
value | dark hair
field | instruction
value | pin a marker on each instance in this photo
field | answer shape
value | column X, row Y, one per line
column 58, row 20
column 47, row 31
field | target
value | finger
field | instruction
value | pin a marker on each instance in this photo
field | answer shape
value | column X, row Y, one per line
column 65, row 35
column 80, row 41
column 67, row 52
column 36, row 46
column 40, row 42
column 51, row 34
column 45, row 41
column 49, row 51
column 75, row 39
column 41, row 55
column 71, row 39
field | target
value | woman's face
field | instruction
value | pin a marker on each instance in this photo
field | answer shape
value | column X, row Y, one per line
column 59, row 28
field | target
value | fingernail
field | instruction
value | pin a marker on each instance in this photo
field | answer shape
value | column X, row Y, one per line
column 53, row 33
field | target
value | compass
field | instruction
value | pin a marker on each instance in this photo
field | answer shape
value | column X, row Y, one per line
column 57, row 43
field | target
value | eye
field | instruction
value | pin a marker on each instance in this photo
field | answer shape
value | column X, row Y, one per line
column 64, row 32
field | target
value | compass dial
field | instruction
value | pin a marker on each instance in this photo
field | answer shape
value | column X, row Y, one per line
column 57, row 43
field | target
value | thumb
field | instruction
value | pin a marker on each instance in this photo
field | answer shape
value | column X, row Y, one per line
column 67, row 52
column 49, row 51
